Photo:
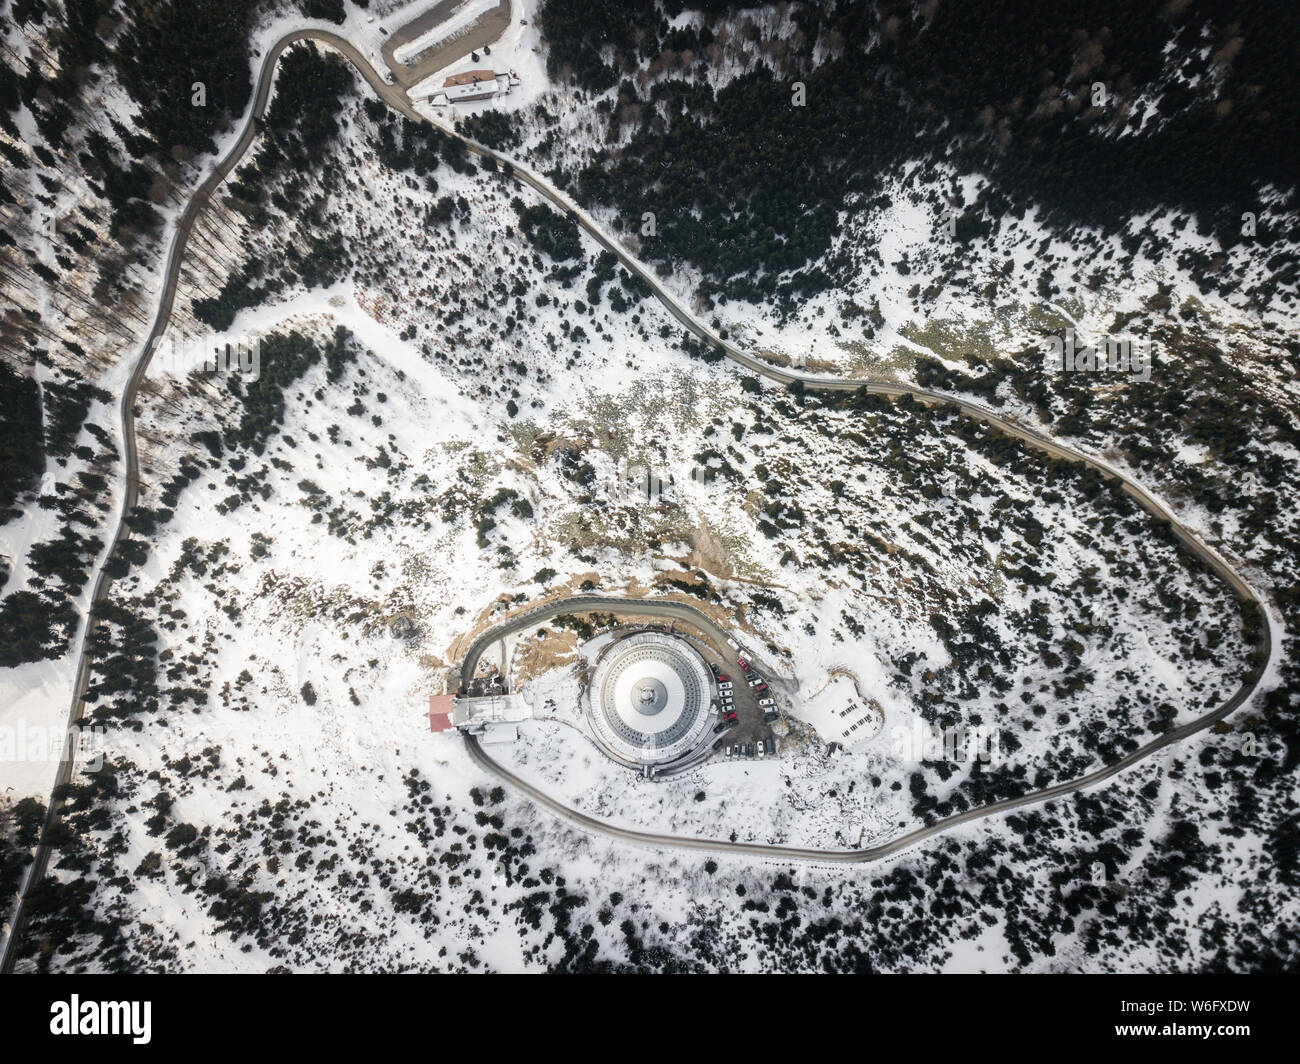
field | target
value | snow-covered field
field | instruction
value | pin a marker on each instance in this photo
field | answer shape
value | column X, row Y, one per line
column 279, row 799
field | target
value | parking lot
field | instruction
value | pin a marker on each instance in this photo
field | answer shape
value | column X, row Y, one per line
column 750, row 727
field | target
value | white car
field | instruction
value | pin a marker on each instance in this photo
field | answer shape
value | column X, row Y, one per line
column 724, row 687
column 765, row 702
column 754, row 681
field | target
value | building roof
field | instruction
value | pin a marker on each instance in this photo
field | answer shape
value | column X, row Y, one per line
column 469, row 77
column 471, row 711
column 478, row 91
column 499, row 733
column 441, row 708
column 649, row 701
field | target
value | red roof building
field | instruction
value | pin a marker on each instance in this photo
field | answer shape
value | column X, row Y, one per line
column 440, row 710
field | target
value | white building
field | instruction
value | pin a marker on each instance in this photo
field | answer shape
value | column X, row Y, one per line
column 650, row 701
column 482, row 90
column 493, row 718
column 470, row 85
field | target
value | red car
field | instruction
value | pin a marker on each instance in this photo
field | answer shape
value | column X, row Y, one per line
column 729, row 716
column 722, row 677
column 743, row 664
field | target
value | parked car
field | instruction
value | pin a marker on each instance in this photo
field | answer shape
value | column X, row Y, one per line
column 754, row 681
column 770, row 716
column 771, row 745
column 749, row 749
column 722, row 677
column 718, row 743
column 766, row 702
column 721, row 726
column 729, row 714
column 760, row 687
column 735, row 750
column 724, row 687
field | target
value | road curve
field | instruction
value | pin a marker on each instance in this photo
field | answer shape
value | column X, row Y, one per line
column 684, row 612
column 1251, row 600
column 677, row 611
column 126, row 413
column 397, row 99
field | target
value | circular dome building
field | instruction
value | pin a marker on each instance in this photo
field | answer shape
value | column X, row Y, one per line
column 650, row 698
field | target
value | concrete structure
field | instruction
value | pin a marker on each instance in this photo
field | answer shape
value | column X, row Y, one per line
column 650, row 701
column 471, row 85
column 492, row 717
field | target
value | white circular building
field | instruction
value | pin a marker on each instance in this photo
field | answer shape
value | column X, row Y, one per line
column 650, row 700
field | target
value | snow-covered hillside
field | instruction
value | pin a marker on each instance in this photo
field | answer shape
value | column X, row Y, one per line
column 452, row 378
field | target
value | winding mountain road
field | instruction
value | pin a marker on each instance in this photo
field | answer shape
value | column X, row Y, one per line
column 683, row 612
column 396, row 98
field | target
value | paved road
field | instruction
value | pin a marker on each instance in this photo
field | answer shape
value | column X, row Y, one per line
column 1155, row 507
column 681, row 611
column 397, row 99
column 624, row 607
column 126, row 409
column 751, row 716
column 780, row 375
